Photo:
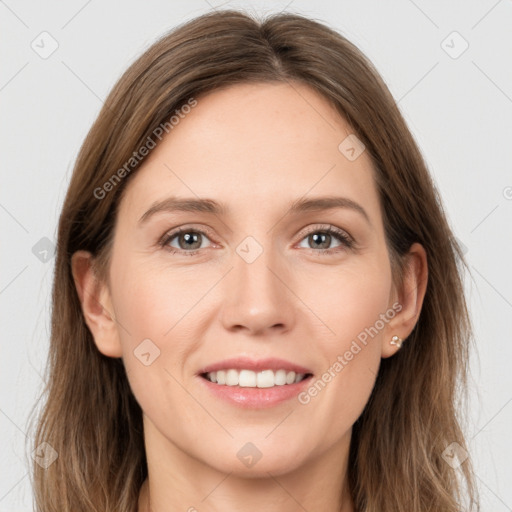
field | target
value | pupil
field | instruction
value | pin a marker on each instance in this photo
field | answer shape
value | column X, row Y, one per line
column 190, row 239
column 324, row 237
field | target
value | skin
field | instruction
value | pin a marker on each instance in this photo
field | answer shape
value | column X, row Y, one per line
column 256, row 148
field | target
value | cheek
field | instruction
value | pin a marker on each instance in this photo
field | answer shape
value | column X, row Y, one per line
column 160, row 323
column 151, row 302
column 152, row 307
column 348, row 299
column 352, row 304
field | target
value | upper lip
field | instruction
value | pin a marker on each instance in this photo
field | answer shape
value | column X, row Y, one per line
column 256, row 365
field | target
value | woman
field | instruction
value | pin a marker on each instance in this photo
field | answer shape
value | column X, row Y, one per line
column 206, row 353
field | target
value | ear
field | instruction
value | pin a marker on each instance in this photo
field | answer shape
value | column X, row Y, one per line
column 96, row 304
column 410, row 297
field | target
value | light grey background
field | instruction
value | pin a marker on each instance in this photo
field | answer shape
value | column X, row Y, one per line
column 459, row 110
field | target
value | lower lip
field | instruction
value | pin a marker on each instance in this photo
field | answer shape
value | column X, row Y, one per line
column 256, row 398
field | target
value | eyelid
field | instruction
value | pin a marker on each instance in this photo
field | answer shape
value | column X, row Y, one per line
column 325, row 227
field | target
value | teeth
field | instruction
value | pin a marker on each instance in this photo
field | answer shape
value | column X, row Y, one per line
column 280, row 377
column 250, row 379
column 247, row 379
column 232, row 378
column 264, row 379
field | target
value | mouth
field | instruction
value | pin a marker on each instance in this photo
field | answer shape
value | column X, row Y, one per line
column 245, row 378
column 252, row 383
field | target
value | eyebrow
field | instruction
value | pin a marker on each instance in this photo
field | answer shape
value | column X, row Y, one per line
column 174, row 204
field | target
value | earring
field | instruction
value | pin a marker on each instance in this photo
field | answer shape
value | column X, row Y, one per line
column 395, row 340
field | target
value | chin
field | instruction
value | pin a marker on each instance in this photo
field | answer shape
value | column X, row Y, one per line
column 249, row 462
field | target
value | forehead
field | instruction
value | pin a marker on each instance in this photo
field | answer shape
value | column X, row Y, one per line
column 255, row 144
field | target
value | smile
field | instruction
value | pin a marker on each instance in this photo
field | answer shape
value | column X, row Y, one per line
column 251, row 379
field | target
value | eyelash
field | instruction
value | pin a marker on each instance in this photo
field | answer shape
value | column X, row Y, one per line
column 342, row 237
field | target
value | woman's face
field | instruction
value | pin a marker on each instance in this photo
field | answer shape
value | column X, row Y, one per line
column 253, row 276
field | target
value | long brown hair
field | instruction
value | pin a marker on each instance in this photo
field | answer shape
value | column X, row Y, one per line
column 90, row 416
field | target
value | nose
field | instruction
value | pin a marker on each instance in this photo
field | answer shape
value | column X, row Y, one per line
column 257, row 296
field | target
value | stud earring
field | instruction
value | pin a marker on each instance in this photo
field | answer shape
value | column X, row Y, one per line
column 395, row 340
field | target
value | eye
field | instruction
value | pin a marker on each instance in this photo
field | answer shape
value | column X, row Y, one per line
column 322, row 239
column 189, row 241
